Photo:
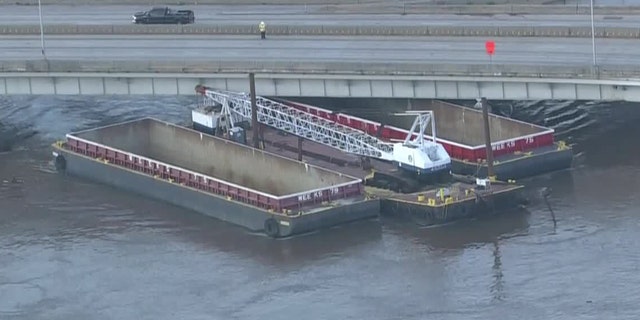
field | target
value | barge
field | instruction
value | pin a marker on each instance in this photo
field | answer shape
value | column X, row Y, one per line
column 432, row 203
column 428, row 204
column 520, row 149
column 248, row 187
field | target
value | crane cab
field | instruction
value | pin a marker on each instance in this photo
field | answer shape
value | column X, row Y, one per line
column 425, row 159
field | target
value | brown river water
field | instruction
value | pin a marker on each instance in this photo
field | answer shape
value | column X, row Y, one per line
column 71, row 249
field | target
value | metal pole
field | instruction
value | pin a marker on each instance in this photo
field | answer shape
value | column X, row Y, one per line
column 41, row 29
column 593, row 37
column 254, row 111
column 433, row 125
column 487, row 137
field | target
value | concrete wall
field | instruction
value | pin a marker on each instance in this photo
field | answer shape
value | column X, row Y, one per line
column 208, row 69
column 215, row 157
column 459, row 124
column 324, row 85
column 132, row 137
column 370, row 30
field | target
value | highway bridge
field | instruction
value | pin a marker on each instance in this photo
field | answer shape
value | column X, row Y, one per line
column 454, row 67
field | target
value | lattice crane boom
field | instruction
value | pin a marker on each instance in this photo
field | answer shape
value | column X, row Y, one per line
column 306, row 125
column 415, row 153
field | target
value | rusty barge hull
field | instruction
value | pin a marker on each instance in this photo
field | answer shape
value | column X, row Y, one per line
column 255, row 189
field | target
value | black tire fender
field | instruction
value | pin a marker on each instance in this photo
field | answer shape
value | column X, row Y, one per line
column 272, row 228
column 60, row 163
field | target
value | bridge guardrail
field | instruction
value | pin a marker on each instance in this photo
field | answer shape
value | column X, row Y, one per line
column 314, row 67
column 344, row 30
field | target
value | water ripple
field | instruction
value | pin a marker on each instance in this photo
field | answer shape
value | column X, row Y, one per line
column 71, row 249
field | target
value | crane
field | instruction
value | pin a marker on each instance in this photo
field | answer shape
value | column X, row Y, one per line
column 414, row 154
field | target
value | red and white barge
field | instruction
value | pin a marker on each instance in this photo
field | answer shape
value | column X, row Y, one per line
column 247, row 187
column 520, row 149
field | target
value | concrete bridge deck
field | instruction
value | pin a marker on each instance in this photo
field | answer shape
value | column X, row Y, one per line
column 280, row 68
column 448, row 68
column 335, row 79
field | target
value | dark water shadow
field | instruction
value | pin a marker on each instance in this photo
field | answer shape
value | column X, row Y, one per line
column 211, row 234
column 456, row 236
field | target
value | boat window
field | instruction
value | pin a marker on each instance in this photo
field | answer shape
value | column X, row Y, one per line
column 158, row 12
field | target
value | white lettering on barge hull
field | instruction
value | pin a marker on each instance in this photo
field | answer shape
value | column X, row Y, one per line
column 309, row 196
column 504, row 145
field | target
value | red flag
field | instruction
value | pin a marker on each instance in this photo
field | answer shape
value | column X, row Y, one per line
column 490, row 46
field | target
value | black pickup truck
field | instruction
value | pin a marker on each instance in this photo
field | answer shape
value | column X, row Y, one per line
column 164, row 15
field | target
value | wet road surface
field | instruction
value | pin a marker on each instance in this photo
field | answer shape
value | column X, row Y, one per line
column 316, row 49
column 296, row 15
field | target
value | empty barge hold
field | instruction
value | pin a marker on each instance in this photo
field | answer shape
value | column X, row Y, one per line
column 520, row 149
column 248, row 187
